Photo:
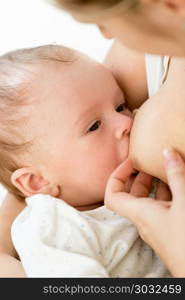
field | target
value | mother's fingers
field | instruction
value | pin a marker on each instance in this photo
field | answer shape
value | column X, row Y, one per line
column 138, row 210
column 175, row 169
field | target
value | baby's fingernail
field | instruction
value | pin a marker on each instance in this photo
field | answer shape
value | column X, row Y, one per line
column 171, row 158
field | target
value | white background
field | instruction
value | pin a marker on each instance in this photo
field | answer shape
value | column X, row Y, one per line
column 28, row 23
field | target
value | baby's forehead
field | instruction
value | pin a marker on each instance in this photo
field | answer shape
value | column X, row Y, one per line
column 82, row 69
column 83, row 80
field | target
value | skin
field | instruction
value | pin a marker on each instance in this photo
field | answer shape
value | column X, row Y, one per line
column 160, row 109
column 128, row 67
column 147, row 214
column 90, row 128
column 10, row 265
column 112, row 146
column 39, row 173
column 131, row 58
column 169, row 40
column 151, row 215
column 154, row 26
column 160, row 121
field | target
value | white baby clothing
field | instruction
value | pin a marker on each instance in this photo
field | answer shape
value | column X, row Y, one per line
column 53, row 239
column 156, row 70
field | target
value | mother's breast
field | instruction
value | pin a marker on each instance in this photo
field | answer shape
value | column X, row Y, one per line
column 159, row 124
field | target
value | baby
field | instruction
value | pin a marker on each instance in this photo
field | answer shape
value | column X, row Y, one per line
column 64, row 129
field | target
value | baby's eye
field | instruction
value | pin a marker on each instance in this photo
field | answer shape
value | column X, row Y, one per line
column 121, row 107
column 95, row 126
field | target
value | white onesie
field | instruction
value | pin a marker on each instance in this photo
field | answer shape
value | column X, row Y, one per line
column 54, row 239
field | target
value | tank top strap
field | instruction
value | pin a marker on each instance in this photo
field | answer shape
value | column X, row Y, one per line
column 156, row 71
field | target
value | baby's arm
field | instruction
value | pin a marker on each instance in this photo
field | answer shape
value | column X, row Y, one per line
column 10, row 266
column 128, row 67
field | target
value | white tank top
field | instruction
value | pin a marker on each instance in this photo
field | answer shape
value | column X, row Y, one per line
column 156, row 71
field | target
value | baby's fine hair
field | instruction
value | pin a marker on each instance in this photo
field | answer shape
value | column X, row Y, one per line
column 15, row 70
column 96, row 9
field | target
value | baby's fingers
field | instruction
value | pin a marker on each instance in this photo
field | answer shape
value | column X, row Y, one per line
column 117, row 180
column 142, row 185
column 163, row 192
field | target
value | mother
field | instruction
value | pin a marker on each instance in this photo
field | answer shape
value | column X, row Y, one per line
column 156, row 27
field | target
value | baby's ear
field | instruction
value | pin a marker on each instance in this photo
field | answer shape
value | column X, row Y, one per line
column 29, row 182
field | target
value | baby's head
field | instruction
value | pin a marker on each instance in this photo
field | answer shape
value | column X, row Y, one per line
column 64, row 124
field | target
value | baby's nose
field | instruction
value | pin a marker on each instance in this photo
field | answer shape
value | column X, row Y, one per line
column 124, row 127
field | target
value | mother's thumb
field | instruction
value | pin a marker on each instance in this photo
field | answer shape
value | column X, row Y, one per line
column 175, row 170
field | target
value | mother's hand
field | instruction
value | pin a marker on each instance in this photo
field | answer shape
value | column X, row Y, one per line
column 160, row 223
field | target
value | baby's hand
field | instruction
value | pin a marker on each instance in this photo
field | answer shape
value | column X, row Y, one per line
column 124, row 180
column 159, row 222
column 139, row 184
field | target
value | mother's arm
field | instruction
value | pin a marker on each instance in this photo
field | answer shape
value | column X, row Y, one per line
column 10, row 266
column 128, row 67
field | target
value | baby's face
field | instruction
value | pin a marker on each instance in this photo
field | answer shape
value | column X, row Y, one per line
column 82, row 127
